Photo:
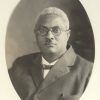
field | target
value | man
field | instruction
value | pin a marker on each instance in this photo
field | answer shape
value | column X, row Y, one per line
column 55, row 73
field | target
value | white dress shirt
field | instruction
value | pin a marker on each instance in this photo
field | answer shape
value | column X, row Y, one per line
column 44, row 62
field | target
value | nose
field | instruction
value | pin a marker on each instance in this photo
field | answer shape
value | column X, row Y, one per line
column 50, row 35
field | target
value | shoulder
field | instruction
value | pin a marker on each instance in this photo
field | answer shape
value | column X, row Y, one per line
column 83, row 61
column 84, row 66
column 26, row 59
column 22, row 64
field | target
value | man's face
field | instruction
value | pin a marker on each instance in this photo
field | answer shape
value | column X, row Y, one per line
column 51, row 34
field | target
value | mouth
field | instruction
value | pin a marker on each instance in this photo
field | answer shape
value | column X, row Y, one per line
column 50, row 44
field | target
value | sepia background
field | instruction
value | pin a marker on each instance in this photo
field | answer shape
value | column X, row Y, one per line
column 20, row 39
column 7, row 91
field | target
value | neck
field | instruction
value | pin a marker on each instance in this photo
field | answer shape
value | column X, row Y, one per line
column 50, row 57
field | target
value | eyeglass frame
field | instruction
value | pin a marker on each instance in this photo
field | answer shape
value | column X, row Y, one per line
column 38, row 31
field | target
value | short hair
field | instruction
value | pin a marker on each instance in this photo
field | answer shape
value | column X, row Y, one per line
column 55, row 11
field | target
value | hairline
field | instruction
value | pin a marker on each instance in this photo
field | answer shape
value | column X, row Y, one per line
column 66, row 24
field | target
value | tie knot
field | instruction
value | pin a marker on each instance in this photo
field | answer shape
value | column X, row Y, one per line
column 47, row 67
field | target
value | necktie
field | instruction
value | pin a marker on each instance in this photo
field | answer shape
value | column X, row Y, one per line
column 48, row 67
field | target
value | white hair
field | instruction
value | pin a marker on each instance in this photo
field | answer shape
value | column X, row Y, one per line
column 56, row 11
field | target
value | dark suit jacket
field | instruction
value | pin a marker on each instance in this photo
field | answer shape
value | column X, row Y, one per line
column 67, row 80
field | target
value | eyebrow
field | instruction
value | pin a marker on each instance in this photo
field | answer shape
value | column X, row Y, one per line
column 49, row 27
column 43, row 26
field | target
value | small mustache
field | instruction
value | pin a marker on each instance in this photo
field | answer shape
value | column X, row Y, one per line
column 47, row 42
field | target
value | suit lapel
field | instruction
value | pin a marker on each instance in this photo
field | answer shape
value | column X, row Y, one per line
column 61, row 68
column 36, row 70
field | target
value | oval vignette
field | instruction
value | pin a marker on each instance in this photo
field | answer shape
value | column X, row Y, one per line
column 20, row 34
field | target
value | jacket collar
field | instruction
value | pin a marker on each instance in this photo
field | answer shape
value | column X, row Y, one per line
column 62, row 67
column 36, row 69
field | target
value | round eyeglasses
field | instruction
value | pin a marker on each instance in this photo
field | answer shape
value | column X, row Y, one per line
column 43, row 31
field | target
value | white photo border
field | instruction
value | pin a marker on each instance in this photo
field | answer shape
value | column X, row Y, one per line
column 92, row 91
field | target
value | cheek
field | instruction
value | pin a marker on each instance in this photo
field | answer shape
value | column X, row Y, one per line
column 62, row 42
column 62, row 39
column 40, row 40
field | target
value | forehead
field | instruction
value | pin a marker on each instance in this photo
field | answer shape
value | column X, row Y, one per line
column 51, row 20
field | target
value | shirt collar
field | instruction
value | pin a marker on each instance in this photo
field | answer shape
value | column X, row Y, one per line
column 47, row 63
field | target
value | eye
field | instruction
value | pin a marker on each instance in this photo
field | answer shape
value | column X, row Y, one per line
column 56, row 29
column 42, row 30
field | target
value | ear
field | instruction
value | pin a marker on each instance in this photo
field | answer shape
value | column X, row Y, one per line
column 68, row 34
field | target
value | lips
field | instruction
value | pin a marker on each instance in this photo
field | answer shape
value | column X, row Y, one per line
column 50, row 44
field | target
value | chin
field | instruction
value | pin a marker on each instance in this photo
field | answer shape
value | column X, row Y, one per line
column 52, row 51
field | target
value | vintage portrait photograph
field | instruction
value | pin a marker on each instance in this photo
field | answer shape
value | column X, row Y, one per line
column 49, row 49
